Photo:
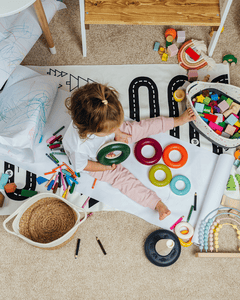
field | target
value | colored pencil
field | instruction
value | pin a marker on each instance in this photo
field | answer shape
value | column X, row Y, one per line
column 178, row 221
column 77, row 248
column 190, row 213
column 101, row 246
column 195, row 201
column 59, row 130
column 52, row 159
column 95, row 180
column 84, row 204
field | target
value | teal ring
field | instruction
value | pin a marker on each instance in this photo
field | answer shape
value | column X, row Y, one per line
column 111, row 147
column 177, row 191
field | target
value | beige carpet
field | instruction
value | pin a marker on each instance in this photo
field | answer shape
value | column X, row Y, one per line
column 124, row 273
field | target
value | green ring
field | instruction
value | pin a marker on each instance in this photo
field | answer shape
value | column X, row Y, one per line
column 165, row 169
column 124, row 148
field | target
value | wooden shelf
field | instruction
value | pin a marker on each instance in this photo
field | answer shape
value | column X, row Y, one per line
column 153, row 12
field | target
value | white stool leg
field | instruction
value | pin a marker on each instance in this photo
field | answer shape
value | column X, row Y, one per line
column 215, row 37
column 83, row 30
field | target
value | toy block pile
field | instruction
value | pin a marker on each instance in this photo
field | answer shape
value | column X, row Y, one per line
column 171, row 49
column 219, row 112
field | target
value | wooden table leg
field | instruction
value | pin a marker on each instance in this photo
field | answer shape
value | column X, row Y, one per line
column 44, row 25
column 83, row 30
column 215, row 37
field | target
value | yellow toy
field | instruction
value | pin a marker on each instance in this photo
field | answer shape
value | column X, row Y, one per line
column 164, row 57
column 179, row 95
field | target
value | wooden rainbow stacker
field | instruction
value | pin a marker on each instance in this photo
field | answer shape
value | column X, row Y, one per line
column 154, row 12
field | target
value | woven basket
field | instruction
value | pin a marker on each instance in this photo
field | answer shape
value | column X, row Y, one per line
column 227, row 90
column 46, row 221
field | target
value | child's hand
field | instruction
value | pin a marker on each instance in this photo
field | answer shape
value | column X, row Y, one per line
column 121, row 136
column 110, row 155
column 186, row 117
column 110, row 168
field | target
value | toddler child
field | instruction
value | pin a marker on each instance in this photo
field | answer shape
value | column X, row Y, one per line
column 98, row 118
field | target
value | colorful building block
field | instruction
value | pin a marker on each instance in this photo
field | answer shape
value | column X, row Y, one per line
column 200, row 98
column 207, row 109
column 214, row 97
column 215, row 126
column 223, row 97
column 216, row 109
column 231, row 120
column 10, row 187
column 193, row 54
column 235, row 108
column 28, row 193
column 172, row 50
column 161, row 50
column 164, row 57
column 229, row 101
column 204, row 119
column 219, row 118
column 235, row 136
column 181, row 36
column 212, row 103
column 223, row 106
column 192, row 75
column 199, row 107
column 156, row 46
column 207, row 100
column 226, row 135
column 210, row 117
column 237, row 124
column 205, row 93
column 3, row 180
column 230, row 129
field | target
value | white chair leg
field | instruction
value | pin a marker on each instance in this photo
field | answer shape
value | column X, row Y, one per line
column 215, row 37
column 83, row 30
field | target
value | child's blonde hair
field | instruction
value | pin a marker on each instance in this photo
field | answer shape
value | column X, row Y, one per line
column 95, row 108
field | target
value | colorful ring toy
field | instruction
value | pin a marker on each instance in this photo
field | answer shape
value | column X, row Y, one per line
column 177, row 191
column 151, row 160
column 173, row 164
column 165, row 169
column 111, row 147
column 237, row 154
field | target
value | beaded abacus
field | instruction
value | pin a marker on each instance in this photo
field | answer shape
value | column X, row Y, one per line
column 208, row 227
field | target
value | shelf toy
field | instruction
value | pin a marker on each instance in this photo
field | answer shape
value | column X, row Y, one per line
column 229, row 59
column 107, row 148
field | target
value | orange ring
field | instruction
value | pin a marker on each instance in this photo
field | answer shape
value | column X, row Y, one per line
column 237, row 154
column 175, row 164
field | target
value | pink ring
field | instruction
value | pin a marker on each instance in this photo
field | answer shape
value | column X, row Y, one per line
column 145, row 160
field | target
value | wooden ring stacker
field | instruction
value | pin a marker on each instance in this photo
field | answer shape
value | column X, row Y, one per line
column 177, row 191
column 150, row 249
column 179, row 95
column 237, row 154
column 179, row 229
column 165, row 169
column 145, row 160
column 173, row 164
column 111, row 147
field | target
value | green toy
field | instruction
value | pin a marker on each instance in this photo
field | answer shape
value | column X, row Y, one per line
column 231, row 186
column 229, row 58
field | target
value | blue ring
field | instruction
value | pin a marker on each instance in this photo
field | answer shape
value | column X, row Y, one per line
column 177, row 191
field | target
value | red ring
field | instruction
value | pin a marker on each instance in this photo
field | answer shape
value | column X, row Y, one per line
column 145, row 160
column 175, row 164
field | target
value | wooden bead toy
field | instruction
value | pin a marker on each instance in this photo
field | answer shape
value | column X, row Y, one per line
column 171, row 32
column 161, row 50
column 179, row 95
column 192, row 75
column 156, row 46
column 164, row 57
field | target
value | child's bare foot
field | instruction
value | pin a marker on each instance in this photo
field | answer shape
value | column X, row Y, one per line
column 162, row 210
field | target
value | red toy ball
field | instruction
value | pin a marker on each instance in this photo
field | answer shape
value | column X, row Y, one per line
column 145, row 160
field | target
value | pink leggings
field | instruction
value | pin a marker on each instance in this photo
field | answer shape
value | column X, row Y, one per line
column 124, row 180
